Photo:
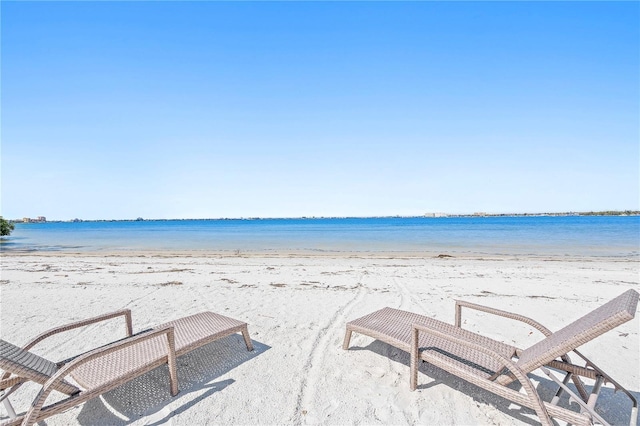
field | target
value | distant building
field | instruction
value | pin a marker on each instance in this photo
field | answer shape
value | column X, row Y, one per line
column 36, row 220
column 436, row 215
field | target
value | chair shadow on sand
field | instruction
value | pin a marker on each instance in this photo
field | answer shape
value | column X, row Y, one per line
column 147, row 396
column 615, row 408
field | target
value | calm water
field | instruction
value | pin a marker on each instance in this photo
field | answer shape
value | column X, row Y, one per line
column 590, row 236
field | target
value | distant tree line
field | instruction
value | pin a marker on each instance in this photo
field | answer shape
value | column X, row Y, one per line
column 612, row 213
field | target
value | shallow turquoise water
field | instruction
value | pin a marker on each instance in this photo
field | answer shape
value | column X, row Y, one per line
column 567, row 235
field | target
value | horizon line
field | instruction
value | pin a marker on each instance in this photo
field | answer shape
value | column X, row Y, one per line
column 430, row 215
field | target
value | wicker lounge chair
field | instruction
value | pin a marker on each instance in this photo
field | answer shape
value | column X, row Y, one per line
column 493, row 365
column 107, row 367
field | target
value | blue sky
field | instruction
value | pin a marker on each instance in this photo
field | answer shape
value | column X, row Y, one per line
column 285, row 109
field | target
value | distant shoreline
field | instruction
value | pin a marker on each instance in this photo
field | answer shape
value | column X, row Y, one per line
column 521, row 235
column 426, row 216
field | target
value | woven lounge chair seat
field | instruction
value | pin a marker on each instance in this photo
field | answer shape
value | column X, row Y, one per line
column 493, row 365
column 191, row 333
column 393, row 326
column 108, row 367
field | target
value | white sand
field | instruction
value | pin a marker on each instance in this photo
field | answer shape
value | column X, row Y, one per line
column 297, row 306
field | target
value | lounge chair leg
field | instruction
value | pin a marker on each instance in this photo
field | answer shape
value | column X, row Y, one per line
column 347, row 339
column 7, row 406
column 32, row 414
column 556, row 398
column 247, row 339
column 595, row 392
column 576, row 380
column 413, row 381
column 584, row 408
column 171, row 362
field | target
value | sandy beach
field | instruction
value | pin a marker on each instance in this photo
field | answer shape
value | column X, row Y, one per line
column 297, row 305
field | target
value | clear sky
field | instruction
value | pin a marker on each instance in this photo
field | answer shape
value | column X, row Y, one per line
column 115, row 110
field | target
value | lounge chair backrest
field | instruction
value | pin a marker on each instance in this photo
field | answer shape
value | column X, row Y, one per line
column 26, row 364
column 606, row 317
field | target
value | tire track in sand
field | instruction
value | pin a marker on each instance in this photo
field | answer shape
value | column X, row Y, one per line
column 408, row 301
column 406, row 295
column 322, row 342
column 96, row 307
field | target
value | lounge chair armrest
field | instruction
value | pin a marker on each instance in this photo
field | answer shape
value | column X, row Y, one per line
column 461, row 303
column 32, row 415
column 126, row 313
column 416, row 328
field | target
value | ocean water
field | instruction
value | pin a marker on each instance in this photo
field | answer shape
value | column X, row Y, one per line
column 537, row 235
